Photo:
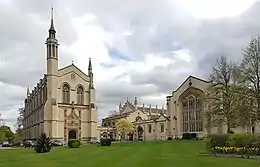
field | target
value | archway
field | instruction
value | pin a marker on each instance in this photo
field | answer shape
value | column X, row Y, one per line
column 72, row 134
column 140, row 132
column 131, row 136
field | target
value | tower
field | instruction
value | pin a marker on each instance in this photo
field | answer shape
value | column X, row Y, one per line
column 52, row 80
column 52, row 50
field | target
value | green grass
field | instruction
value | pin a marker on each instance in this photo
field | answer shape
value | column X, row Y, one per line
column 140, row 154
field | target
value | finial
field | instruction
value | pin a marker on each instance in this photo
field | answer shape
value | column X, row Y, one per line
column 135, row 102
column 72, row 62
column 52, row 30
column 28, row 91
column 52, row 13
column 89, row 64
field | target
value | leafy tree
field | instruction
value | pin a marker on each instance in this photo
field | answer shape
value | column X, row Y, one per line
column 19, row 125
column 250, row 70
column 221, row 100
column 124, row 127
column 2, row 136
column 8, row 134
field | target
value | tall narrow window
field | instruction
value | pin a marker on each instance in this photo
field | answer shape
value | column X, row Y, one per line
column 149, row 128
column 162, row 127
column 80, row 95
column 66, row 93
column 192, row 121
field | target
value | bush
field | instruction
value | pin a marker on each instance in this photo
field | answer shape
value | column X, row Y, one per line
column 234, row 144
column 189, row 136
column 43, row 144
column 169, row 138
column 105, row 142
column 74, row 143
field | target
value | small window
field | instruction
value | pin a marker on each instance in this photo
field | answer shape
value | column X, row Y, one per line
column 149, row 128
column 162, row 127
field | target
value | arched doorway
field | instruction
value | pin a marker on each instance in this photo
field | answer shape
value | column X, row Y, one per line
column 131, row 136
column 72, row 134
column 140, row 132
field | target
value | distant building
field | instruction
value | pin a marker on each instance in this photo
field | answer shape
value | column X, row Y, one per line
column 149, row 123
column 62, row 105
column 185, row 113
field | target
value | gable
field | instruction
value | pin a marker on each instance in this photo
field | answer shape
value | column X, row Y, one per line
column 73, row 69
column 161, row 118
column 191, row 82
column 126, row 110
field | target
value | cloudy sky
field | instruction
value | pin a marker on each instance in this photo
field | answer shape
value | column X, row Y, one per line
column 142, row 48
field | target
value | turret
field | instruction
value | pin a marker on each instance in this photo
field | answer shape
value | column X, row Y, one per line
column 52, row 50
column 135, row 103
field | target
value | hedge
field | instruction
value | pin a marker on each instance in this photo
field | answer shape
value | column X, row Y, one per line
column 234, row 144
column 105, row 142
column 189, row 136
column 74, row 143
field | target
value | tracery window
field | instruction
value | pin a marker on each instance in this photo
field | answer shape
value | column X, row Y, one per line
column 191, row 115
column 80, row 95
column 65, row 93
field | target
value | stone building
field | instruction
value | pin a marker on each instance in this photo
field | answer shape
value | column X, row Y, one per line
column 149, row 123
column 62, row 104
column 186, row 111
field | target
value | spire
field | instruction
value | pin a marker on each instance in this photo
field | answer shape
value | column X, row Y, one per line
column 52, row 30
column 28, row 92
column 89, row 65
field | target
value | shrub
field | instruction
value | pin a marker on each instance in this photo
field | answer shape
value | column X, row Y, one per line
column 189, row 136
column 234, row 144
column 43, row 144
column 217, row 140
column 169, row 138
column 74, row 143
column 105, row 142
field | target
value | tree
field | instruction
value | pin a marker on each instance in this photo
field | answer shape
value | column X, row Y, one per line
column 2, row 136
column 124, row 127
column 19, row 125
column 250, row 69
column 8, row 134
column 220, row 96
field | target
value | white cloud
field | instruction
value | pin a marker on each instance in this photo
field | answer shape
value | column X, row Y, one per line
column 211, row 9
column 156, row 44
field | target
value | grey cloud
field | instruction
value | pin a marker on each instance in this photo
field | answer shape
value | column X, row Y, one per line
column 156, row 26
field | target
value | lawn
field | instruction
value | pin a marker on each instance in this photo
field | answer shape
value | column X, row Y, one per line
column 139, row 154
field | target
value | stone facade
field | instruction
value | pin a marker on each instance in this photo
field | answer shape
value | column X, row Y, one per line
column 185, row 113
column 62, row 105
column 149, row 123
column 186, row 110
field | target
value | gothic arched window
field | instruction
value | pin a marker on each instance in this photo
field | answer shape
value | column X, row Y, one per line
column 191, row 112
column 80, row 95
column 66, row 93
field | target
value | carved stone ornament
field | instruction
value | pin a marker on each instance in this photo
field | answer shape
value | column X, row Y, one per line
column 73, row 76
column 53, row 101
